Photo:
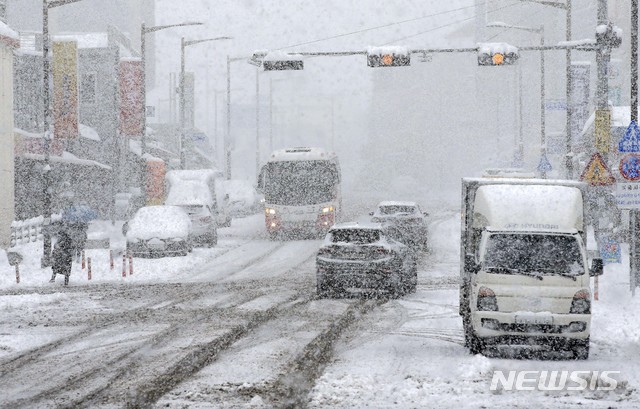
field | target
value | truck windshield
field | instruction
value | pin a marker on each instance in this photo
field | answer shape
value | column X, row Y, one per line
column 296, row 183
column 533, row 253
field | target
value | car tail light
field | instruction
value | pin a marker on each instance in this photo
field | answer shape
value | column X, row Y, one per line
column 581, row 303
column 487, row 300
column 381, row 252
column 324, row 252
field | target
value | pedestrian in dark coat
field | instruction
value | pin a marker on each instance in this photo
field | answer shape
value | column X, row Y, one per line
column 63, row 257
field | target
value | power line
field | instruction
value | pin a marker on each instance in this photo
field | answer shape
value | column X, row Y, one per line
column 447, row 25
column 504, row 30
column 383, row 26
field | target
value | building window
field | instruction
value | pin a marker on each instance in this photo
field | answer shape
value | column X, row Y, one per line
column 88, row 88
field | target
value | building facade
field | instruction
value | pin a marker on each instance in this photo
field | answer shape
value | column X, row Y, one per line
column 8, row 43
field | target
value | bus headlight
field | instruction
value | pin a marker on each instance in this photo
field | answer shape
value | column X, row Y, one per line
column 327, row 209
column 268, row 210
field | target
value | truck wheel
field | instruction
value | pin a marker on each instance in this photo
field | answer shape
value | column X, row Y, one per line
column 476, row 345
column 580, row 349
column 413, row 279
column 322, row 289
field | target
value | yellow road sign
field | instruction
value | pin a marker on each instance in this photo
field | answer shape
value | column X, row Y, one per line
column 596, row 173
column 603, row 130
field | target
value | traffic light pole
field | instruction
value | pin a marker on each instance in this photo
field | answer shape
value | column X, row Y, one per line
column 633, row 216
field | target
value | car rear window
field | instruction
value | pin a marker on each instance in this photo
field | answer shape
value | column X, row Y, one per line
column 396, row 209
column 360, row 236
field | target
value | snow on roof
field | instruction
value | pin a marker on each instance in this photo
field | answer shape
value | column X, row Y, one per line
column 302, row 153
column 159, row 221
column 6, row 31
column 189, row 192
column 395, row 50
column 492, row 48
column 396, row 203
column 529, row 207
column 88, row 132
column 357, row 225
column 281, row 56
column 573, row 43
column 85, row 40
column 620, row 117
column 66, row 158
column 198, row 175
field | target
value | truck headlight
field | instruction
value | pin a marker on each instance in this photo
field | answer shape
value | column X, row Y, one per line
column 581, row 303
column 487, row 300
column 269, row 210
column 327, row 209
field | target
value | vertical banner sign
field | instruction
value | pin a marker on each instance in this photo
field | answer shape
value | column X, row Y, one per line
column 65, row 89
column 189, row 100
column 603, row 130
column 580, row 88
column 156, row 170
column 131, row 104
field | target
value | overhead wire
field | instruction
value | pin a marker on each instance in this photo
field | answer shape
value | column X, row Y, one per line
column 449, row 24
column 386, row 25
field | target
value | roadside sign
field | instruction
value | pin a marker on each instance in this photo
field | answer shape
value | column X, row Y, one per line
column 544, row 165
column 610, row 251
column 630, row 166
column 628, row 195
column 596, row 173
column 630, row 142
column 603, row 130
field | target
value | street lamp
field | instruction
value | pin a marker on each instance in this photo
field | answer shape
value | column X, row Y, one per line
column 566, row 6
column 46, row 97
column 271, row 81
column 146, row 30
column 543, row 139
column 227, row 137
column 184, row 44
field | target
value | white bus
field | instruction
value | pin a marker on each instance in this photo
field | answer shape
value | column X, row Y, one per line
column 301, row 188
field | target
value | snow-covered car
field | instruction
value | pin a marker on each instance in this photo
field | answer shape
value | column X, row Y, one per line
column 192, row 187
column 365, row 257
column 244, row 200
column 159, row 230
column 408, row 218
column 204, row 230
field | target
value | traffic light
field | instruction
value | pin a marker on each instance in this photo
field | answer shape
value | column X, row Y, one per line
column 388, row 57
column 497, row 54
column 608, row 36
column 277, row 60
column 278, row 65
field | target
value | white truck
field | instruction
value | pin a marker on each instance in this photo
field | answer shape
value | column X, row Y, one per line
column 191, row 187
column 524, row 270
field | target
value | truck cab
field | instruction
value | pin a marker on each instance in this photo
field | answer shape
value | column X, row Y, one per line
column 524, row 269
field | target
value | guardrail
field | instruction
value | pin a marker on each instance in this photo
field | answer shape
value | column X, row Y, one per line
column 29, row 230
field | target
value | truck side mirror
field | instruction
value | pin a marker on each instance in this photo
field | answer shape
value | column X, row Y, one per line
column 470, row 264
column 597, row 267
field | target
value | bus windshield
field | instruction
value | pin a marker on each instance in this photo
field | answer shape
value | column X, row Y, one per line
column 296, row 183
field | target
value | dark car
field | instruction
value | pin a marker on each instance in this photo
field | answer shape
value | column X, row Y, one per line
column 408, row 218
column 365, row 257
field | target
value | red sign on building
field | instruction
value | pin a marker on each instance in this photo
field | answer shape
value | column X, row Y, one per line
column 131, row 104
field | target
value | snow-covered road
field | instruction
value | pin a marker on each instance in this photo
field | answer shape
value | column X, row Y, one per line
column 239, row 326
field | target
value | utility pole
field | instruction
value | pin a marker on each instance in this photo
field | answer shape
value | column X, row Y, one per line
column 569, row 90
column 48, row 134
column 634, row 220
